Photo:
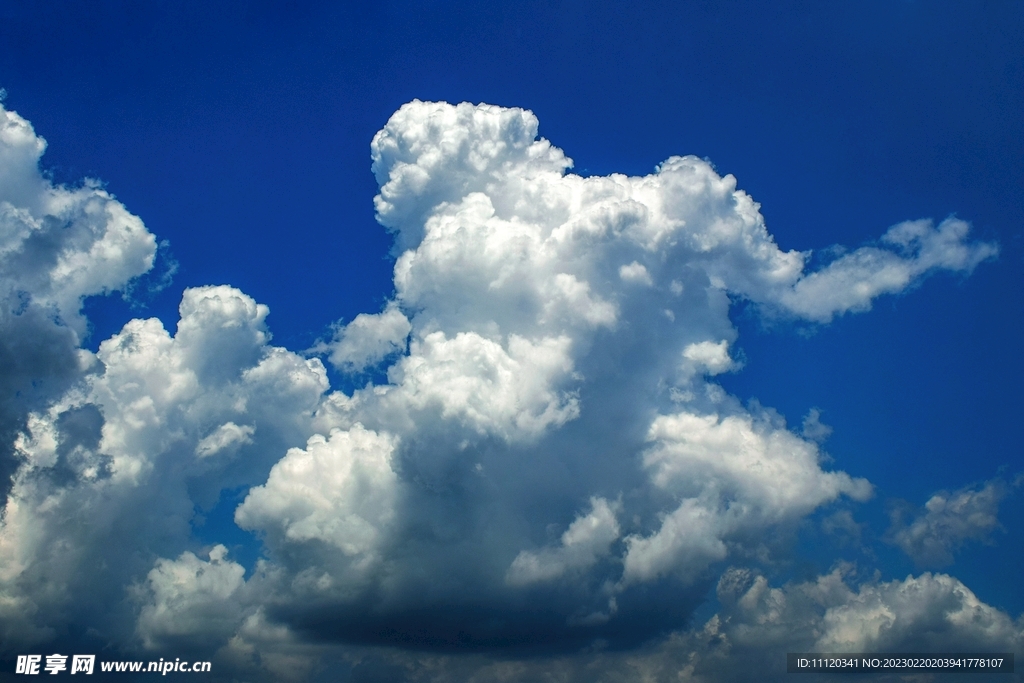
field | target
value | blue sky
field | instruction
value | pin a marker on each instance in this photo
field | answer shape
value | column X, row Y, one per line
column 240, row 135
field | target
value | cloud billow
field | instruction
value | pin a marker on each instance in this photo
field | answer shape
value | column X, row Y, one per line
column 58, row 245
column 519, row 287
column 549, row 462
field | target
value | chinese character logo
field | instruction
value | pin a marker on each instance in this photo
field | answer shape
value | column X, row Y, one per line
column 28, row 664
column 82, row 664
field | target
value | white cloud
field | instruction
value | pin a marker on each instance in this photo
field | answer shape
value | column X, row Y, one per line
column 635, row 272
column 931, row 612
column 431, row 152
column 339, row 490
column 113, row 472
column 687, row 542
column 851, row 282
column 586, row 540
column 227, row 436
column 544, row 331
column 58, row 245
column 498, row 247
column 926, row 613
column 760, row 463
column 506, row 390
column 368, row 339
column 709, row 357
column 947, row 521
column 734, row 474
column 190, row 599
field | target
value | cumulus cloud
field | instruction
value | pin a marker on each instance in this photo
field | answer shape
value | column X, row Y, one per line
column 369, row 339
column 587, row 539
column 760, row 623
column 708, row 357
column 635, row 272
column 58, row 245
column 190, row 599
column 338, row 490
column 112, row 473
column 61, row 244
column 519, row 286
column 932, row 535
column 508, row 390
column 551, row 340
column 227, row 436
column 734, row 474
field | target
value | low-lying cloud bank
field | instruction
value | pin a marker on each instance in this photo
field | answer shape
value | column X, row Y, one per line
column 550, row 464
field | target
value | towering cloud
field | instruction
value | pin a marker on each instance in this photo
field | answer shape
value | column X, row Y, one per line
column 566, row 329
column 546, row 462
